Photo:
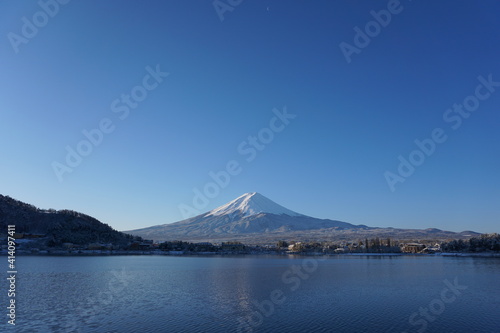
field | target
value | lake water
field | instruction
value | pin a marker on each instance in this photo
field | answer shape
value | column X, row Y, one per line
column 255, row 294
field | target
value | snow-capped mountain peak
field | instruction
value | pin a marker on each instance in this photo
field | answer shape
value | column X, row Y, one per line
column 251, row 204
column 254, row 218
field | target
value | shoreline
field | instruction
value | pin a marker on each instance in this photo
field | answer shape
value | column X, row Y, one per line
column 104, row 253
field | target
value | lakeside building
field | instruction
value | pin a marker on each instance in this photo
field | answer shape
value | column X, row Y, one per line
column 413, row 248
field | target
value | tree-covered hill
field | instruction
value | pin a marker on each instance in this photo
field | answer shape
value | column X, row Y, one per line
column 63, row 226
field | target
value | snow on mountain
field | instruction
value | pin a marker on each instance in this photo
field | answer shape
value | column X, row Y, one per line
column 251, row 204
column 249, row 214
column 253, row 218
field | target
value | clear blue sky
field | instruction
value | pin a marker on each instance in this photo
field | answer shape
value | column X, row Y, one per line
column 352, row 121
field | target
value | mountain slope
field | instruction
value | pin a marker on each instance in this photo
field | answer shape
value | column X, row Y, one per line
column 253, row 218
column 251, row 213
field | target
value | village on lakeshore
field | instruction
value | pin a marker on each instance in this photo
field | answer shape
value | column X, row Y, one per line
column 36, row 244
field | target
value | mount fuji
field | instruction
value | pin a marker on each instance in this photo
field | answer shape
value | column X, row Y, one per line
column 254, row 219
column 246, row 217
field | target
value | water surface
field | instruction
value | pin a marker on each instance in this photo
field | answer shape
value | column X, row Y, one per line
column 257, row 294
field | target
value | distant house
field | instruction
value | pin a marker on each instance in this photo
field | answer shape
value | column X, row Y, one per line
column 134, row 246
column 295, row 247
column 433, row 249
column 413, row 248
column 145, row 245
column 95, row 246
column 140, row 246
